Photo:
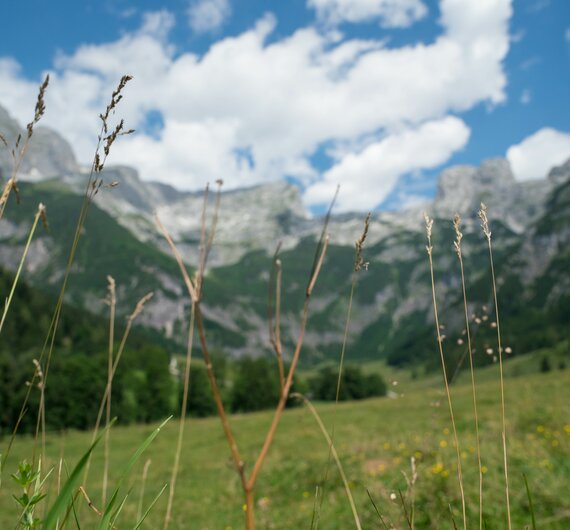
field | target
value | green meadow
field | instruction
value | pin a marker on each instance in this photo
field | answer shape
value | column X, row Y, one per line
column 375, row 439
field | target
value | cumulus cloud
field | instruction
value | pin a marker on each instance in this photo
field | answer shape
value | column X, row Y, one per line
column 369, row 176
column 208, row 15
column 255, row 108
column 390, row 13
column 538, row 153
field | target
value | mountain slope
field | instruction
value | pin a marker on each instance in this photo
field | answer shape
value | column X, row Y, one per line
column 392, row 315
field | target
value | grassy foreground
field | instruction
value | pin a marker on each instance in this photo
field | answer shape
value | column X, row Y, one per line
column 375, row 440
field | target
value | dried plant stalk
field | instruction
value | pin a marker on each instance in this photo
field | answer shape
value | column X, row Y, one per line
column 458, row 250
column 143, row 485
column 105, row 140
column 19, row 152
column 275, row 329
column 359, row 264
column 195, row 293
column 116, row 360
column 429, row 249
column 40, row 214
column 112, row 302
column 486, row 230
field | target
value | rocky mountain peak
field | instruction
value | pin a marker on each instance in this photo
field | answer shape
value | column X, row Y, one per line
column 560, row 174
column 49, row 154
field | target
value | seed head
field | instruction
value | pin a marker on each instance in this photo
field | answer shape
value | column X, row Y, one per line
column 359, row 263
column 484, row 221
column 429, row 227
column 458, row 234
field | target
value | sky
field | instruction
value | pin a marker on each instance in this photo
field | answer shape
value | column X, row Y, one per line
column 378, row 96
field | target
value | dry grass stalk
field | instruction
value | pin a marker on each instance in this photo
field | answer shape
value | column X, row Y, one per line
column 487, row 231
column 359, row 264
column 116, row 360
column 429, row 249
column 19, row 152
column 40, row 214
column 332, row 449
column 195, row 293
column 275, row 328
column 458, row 250
column 143, row 485
column 410, row 493
column 93, row 185
column 111, row 300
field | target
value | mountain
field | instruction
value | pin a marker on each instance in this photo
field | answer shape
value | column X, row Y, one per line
column 392, row 315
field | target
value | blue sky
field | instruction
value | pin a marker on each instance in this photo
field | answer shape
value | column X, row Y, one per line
column 254, row 91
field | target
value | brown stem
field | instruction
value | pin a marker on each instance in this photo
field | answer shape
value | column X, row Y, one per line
column 289, row 381
column 218, row 399
column 249, row 507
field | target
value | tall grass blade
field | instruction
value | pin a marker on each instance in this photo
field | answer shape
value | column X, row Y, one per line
column 335, row 456
column 110, row 508
column 376, row 510
column 530, row 505
column 150, row 507
column 67, row 493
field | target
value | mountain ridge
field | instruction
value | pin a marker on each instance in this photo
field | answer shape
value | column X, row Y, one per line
column 392, row 304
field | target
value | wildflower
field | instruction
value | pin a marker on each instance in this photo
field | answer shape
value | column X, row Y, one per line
column 437, row 468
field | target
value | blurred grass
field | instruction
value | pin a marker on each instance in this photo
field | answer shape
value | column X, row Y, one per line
column 375, row 440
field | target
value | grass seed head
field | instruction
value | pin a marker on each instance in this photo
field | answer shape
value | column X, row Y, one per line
column 458, row 234
column 359, row 263
column 484, row 221
column 429, row 228
column 40, row 107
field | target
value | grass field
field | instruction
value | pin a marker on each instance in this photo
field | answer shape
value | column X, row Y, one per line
column 375, row 440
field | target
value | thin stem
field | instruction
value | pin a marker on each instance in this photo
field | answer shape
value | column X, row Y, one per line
column 405, row 510
column 458, row 250
column 39, row 213
column 218, row 400
column 181, row 425
column 275, row 328
column 503, row 415
column 429, row 248
column 332, row 448
column 289, row 381
column 358, row 264
column 106, row 395
column 112, row 300
column 143, row 484
column 487, row 232
column 377, row 511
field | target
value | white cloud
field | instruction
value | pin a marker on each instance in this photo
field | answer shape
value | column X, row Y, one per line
column 390, row 13
column 369, row 176
column 537, row 154
column 526, row 96
column 277, row 100
column 208, row 15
